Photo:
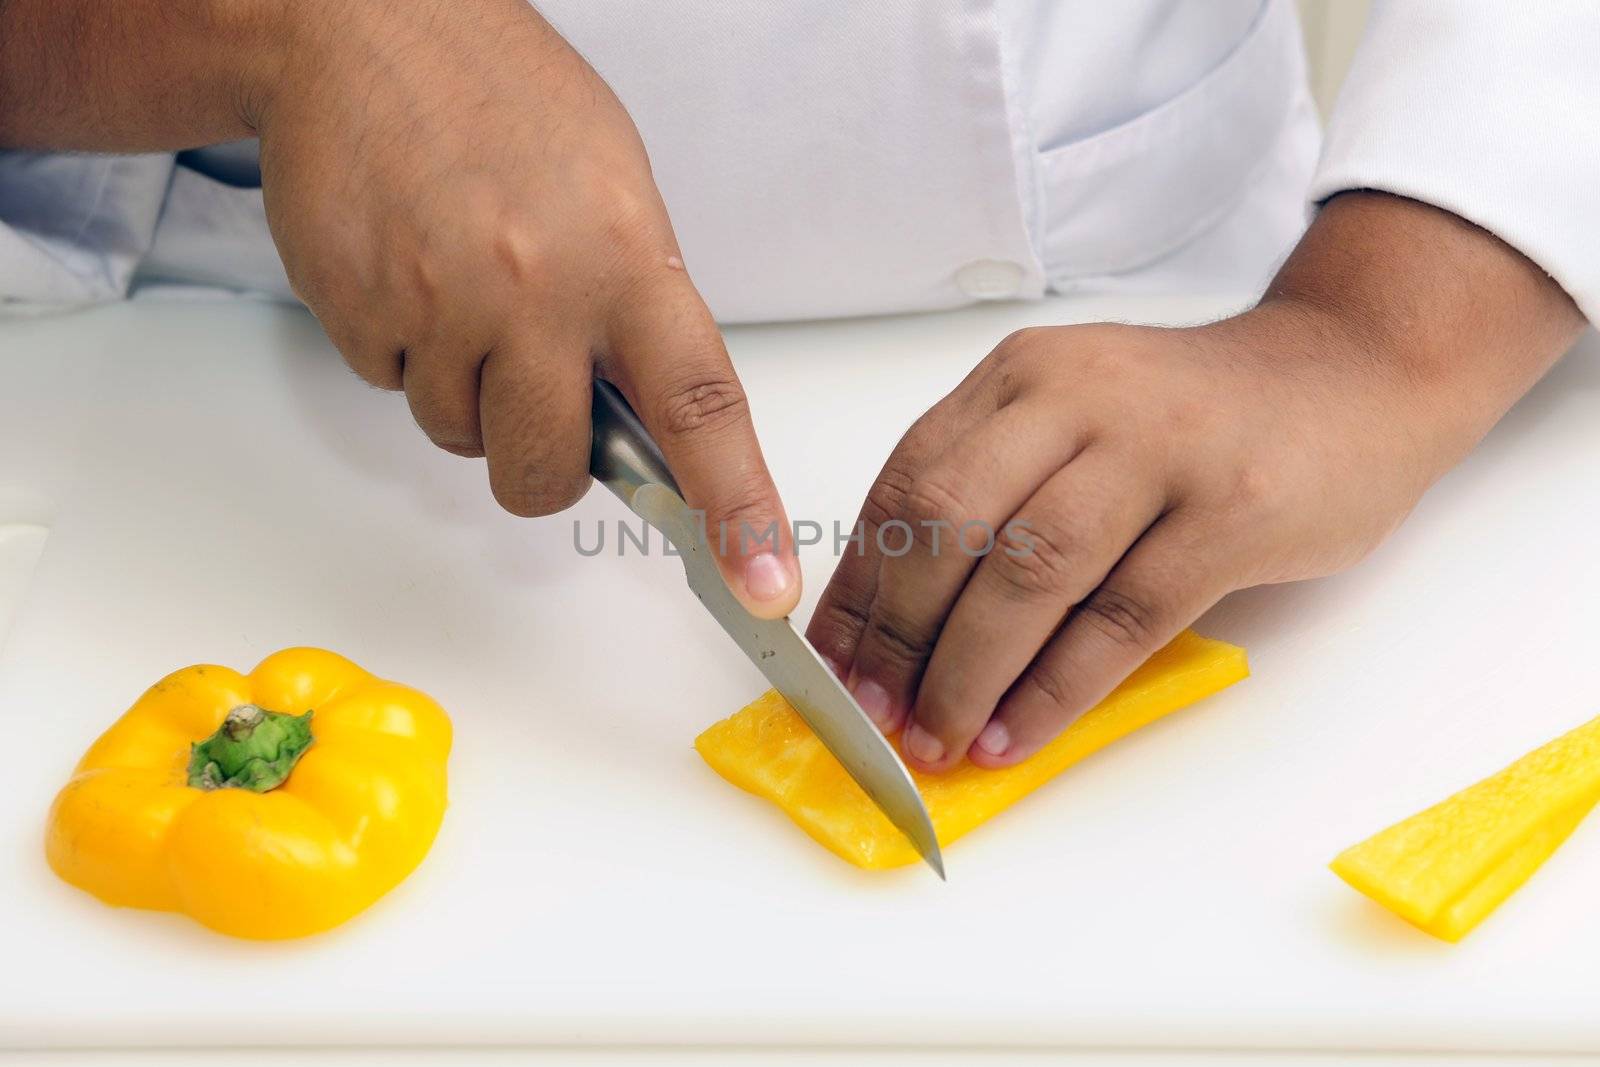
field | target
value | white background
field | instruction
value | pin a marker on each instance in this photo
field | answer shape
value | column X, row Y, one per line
column 216, row 485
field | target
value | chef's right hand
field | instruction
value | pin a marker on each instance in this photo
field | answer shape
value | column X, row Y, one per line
column 470, row 213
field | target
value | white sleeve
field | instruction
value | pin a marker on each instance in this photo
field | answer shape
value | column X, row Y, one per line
column 74, row 227
column 1489, row 109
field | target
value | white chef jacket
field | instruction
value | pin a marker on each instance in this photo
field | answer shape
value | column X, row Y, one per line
column 838, row 159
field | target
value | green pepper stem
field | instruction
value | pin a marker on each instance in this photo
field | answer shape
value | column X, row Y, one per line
column 253, row 749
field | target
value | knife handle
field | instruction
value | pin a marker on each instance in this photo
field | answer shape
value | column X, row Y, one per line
column 623, row 456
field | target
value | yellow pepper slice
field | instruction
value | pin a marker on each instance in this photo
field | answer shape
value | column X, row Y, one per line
column 269, row 805
column 1445, row 869
column 768, row 750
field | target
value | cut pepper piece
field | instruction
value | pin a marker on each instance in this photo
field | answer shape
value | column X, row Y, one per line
column 1445, row 869
column 767, row 749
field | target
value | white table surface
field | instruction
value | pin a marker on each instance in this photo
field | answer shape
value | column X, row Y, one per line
column 209, row 484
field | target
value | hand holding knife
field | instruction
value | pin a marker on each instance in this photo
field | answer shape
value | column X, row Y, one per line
column 629, row 463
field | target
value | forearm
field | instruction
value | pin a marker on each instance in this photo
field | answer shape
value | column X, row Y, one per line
column 1465, row 322
column 133, row 75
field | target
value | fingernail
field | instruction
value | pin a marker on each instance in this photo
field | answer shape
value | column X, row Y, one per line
column 995, row 738
column 923, row 746
column 874, row 700
column 766, row 577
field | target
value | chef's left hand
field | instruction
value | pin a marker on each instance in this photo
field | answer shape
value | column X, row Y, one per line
column 1132, row 475
column 1135, row 475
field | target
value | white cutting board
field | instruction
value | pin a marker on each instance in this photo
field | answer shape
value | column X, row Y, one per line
column 216, row 485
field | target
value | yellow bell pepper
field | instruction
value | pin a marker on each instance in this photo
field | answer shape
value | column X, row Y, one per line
column 768, row 750
column 269, row 805
column 1445, row 869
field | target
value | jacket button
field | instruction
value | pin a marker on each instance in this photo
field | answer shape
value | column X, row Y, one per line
column 990, row 279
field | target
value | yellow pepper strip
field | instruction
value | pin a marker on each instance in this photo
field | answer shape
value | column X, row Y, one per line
column 768, row 750
column 1447, row 868
column 269, row 805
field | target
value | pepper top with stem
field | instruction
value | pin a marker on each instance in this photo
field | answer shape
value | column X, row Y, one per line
column 253, row 749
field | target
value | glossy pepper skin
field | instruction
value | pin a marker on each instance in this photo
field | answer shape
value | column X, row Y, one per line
column 1448, row 868
column 768, row 750
column 167, row 811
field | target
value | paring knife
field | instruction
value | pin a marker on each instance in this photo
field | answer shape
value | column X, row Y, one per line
column 626, row 459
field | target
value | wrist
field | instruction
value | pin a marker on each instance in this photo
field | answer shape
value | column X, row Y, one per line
column 1441, row 319
column 266, row 33
column 1357, row 372
column 133, row 76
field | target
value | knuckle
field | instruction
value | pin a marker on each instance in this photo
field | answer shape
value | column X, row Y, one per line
column 844, row 615
column 930, row 504
column 457, row 437
column 1011, row 366
column 1252, row 487
column 629, row 223
column 897, row 640
column 887, row 497
column 707, row 403
column 1036, row 566
column 520, row 256
column 1047, row 679
column 422, row 278
column 632, row 219
column 747, row 517
column 1020, row 342
column 1127, row 619
column 451, row 428
column 836, row 628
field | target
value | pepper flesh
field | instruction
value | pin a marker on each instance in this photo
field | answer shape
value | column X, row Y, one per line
column 768, row 750
column 355, row 815
column 1447, row 868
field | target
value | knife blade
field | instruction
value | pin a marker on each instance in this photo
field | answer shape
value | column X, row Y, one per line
column 628, row 462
